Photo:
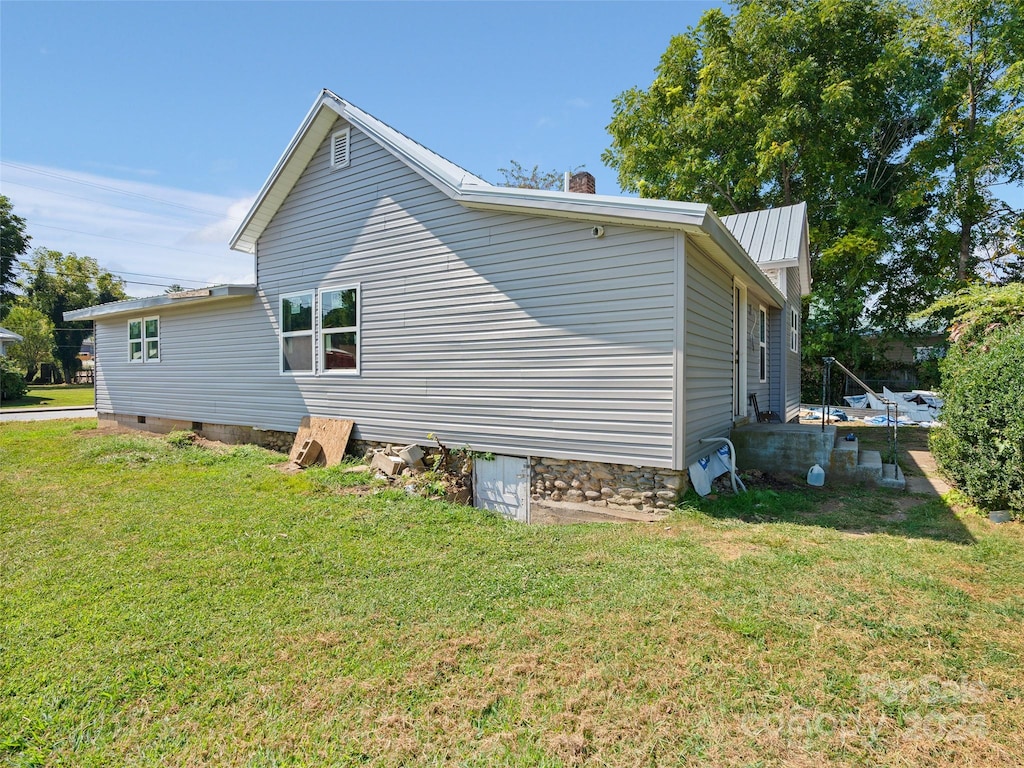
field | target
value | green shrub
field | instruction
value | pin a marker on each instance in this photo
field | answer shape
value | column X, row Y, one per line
column 981, row 446
column 12, row 383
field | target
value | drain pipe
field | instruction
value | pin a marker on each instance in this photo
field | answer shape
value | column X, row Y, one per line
column 732, row 461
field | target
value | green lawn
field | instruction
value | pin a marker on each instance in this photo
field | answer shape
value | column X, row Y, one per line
column 166, row 604
column 54, row 396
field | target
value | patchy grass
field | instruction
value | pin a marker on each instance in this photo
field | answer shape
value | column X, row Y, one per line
column 172, row 604
column 54, row 396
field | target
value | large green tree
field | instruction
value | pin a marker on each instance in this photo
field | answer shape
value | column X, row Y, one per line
column 37, row 344
column 784, row 101
column 55, row 283
column 13, row 244
column 973, row 151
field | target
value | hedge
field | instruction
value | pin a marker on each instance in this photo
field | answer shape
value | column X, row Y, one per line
column 981, row 445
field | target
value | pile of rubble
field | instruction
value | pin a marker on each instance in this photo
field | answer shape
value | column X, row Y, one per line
column 436, row 473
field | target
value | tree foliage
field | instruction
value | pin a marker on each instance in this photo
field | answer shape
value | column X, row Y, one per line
column 981, row 443
column 55, row 283
column 975, row 145
column 12, row 383
column 13, row 244
column 888, row 117
column 518, row 176
column 37, row 344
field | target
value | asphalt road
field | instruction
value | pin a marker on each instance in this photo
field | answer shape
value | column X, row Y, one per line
column 44, row 414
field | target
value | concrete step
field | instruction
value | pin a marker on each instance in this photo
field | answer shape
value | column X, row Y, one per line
column 892, row 477
column 870, row 460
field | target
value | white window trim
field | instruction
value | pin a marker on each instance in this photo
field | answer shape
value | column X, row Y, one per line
column 321, row 357
column 143, row 339
column 282, row 335
column 345, row 132
column 794, row 330
column 740, row 353
column 146, row 339
column 762, row 342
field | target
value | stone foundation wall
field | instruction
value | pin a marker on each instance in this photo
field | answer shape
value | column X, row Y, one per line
column 224, row 433
column 607, row 485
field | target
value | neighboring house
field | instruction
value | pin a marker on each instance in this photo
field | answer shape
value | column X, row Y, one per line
column 396, row 289
column 7, row 338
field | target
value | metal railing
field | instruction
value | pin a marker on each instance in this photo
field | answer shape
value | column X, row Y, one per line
column 892, row 409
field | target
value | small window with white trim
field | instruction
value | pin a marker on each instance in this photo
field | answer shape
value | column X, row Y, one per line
column 144, row 340
column 762, row 340
column 794, row 330
column 340, row 148
column 339, row 329
column 297, row 333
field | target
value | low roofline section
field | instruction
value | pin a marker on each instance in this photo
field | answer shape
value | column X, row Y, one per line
column 164, row 301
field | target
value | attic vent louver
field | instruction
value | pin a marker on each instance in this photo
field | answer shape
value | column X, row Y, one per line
column 339, row 148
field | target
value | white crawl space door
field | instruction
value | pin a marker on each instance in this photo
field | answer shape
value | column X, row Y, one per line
column 503, row 485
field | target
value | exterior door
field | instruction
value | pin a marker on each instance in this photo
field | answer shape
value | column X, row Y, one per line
column 503, row 485
column 739, row 349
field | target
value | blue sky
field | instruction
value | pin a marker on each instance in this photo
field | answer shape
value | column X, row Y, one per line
column 139, row 133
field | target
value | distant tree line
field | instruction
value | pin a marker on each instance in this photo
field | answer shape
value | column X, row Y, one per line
column 51, row 283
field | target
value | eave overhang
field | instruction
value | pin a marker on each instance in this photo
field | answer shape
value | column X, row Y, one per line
column 168, row 300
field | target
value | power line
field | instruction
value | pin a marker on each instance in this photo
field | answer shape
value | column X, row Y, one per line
column 106, row 188
column 122, row 240
column 28, row 270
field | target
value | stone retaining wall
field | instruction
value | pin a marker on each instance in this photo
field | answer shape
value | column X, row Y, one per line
column 607, row 485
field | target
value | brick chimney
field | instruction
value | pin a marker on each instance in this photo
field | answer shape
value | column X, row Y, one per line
column 582, row 182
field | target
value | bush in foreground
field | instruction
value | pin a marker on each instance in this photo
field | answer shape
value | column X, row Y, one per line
column 981, row 446
column 12, row 383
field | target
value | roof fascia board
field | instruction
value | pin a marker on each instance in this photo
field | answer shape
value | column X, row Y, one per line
column 804, row 267
column 217, row 293
column 633, row 211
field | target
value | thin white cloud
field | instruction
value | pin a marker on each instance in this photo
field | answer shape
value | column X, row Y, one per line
column 143, row 172
column 135, row 228
column 578, row 103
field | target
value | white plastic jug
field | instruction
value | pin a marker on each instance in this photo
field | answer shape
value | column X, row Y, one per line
column 816, row 475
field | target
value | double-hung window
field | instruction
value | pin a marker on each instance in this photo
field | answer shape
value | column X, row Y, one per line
column 794, row 330
column 297, row 333
column 339, row 329
column 144, row 340
column 320, row 331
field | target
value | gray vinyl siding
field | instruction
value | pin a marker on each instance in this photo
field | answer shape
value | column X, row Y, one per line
column 792, row 371
column 708, row 356
column 778, row 339
column 207, row 368
column 514, row 334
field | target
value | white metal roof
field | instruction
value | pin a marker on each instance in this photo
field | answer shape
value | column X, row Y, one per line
column 6, row 335
column 775, row 238
column 190, row 297
column 328, row 107
column 474, row 192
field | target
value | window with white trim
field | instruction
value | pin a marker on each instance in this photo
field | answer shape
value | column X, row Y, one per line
column 340, row 148
column 297, row 333
column 794, row 330
column 144, row 340
column 339, row 329
column 762, row 340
